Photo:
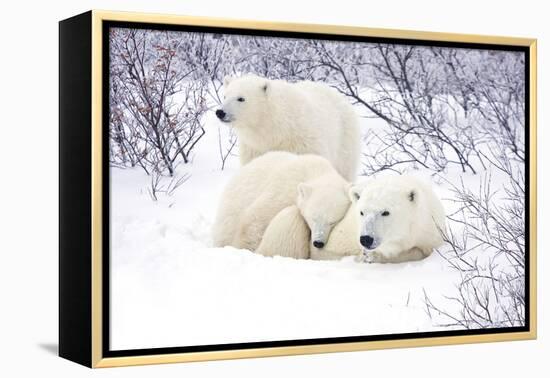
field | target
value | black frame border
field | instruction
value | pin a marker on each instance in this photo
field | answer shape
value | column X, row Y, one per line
column 75, row 201
column 106, row 352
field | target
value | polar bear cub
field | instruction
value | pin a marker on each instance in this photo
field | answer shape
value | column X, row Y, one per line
column 305, row 227
column 342, row 241
column 287, row 235
column 400, row 218
column 303, row 118
column 268, row 185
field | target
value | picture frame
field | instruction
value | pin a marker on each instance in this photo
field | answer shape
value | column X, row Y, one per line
column 85, row 203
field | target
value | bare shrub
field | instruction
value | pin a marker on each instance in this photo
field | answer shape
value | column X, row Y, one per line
column 161, row 184
column 486, row 244
column 162, row 109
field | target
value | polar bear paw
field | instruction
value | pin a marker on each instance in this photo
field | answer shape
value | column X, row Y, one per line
column 368, row 257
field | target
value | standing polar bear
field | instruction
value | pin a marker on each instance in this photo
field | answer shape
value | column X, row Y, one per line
column 272, row 183
column 399, row 218
column 303, row 118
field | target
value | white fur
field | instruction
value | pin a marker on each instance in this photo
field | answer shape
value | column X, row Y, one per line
column 269, row 184
column 413, row 227
column 321, row 205
column 303, row 118
column 287, row 235
column 342, row 240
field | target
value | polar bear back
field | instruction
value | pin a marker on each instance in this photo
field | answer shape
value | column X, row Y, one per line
column 287, row 235
column 430, row 227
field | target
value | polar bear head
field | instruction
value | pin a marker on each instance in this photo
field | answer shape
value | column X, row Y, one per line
column 244, row 101
column 323, row 203
column 386, row 209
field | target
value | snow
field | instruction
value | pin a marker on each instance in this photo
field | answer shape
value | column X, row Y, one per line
column 169, row 287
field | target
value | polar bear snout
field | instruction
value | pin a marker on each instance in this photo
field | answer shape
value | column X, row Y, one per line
column 366, row 241
column 220, row 113
column 320, row 231
column 318, row 244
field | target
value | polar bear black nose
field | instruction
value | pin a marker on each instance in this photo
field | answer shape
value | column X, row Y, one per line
column 366, row 241
column 318, row 244
column 220, row 114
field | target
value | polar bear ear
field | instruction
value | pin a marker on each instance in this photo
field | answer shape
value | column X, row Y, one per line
column 227, row 80
column 304, row 191
column 354, row 193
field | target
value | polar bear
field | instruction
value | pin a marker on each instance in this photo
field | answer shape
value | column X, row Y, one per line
column 342, row 241
column 270, row 183
column 287, row 235
column 303, row 118
column 306, row 226
column 399, row 218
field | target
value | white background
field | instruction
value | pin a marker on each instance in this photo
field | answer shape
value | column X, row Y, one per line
column 28, row 186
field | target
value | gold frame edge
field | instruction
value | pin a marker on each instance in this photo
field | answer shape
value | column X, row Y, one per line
column 97, row 190
column 533, row 187
column 98, row 16
column 150, row 18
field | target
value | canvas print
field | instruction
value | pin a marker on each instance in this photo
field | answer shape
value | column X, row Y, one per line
column 269, row 188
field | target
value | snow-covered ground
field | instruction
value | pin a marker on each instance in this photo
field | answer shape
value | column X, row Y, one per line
column 169, row 287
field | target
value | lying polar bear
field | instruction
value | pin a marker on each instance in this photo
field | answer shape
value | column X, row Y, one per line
column 313, row 216
column 399, row 218
column 391, row 220
column 288, row 235
column 272, row 183
column 342, row 241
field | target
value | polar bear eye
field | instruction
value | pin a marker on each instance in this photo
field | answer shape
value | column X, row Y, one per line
column 385, row 213
column 361, row 213
column 240, row 99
